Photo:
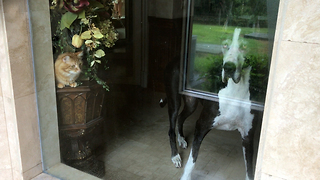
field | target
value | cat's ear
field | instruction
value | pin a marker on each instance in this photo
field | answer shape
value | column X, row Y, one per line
column 66, row 58
column 80, row 54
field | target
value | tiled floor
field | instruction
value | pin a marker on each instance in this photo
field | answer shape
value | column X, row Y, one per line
column 139, row 148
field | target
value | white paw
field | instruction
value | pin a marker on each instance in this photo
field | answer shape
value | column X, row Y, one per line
column 182, row 142
column 176, row 160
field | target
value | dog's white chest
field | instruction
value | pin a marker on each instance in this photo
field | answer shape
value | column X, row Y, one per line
column 235, row 106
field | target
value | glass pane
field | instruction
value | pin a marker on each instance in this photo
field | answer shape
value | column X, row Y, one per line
column 226, row 38
column 123, row 133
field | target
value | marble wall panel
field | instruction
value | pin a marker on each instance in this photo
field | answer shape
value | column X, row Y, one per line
column 290, row 131
column 5, row 161
column 293, row 131
column 34, row 171
column 28, row 131
column 23, row 120
column 302, row 21
column 11, row 167
column 18, row 33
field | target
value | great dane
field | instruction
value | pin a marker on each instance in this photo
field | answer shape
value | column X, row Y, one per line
column 232, row 112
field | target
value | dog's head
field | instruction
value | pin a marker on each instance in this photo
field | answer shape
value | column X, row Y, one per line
column 233, row 57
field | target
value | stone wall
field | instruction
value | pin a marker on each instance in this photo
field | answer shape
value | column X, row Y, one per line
column 20, row 141
column 290, row 139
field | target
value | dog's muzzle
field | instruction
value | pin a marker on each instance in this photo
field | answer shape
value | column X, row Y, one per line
column 230, row 70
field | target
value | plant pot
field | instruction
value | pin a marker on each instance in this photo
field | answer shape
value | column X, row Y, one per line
column 81, row 126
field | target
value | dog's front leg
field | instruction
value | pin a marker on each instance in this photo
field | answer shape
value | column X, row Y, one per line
column 247, row 147
column 200, row 133
column 203, row 126
column 190, row 105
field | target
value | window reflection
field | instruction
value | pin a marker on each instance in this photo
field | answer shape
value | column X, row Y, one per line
column 212, row 25
column 119, row 13
column 119, row 9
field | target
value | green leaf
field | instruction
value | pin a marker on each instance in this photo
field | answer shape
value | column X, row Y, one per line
column 67, row 19
column 96, row 4
column 92, row 63
column 85, row 21
column 82, row 15
column 96, row 33
column 88, row 42
column 99, row 53
column 86, row 35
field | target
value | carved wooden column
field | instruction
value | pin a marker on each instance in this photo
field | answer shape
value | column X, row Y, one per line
column 81, row 126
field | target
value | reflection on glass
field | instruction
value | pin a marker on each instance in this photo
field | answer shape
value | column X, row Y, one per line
column 212, row 26
column 119, row 13
column 119, row 9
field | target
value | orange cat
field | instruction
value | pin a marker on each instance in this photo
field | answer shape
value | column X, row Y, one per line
column 68, row 68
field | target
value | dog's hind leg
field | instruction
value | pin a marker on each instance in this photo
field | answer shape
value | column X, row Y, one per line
column 190, row 105
column 203, row 126
column 173, row 110
column 171, row 76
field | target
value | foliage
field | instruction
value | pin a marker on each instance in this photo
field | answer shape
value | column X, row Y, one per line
column 231, row 12
column 84, row 25
column 210, row 68
column 259, row 75
column 217, row 34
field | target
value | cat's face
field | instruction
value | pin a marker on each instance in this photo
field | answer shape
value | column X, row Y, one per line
column 73, row 62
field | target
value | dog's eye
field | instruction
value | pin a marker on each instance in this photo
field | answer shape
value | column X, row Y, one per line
column 243, row 44
column 226, row 44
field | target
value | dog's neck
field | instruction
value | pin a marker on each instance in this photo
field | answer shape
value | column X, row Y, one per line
column 238, row 90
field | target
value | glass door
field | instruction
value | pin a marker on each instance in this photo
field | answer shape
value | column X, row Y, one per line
column 215, row 26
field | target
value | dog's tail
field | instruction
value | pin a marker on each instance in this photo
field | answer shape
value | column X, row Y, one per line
column 163, row 102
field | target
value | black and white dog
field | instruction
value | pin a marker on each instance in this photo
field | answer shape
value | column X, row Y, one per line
column 232, row 112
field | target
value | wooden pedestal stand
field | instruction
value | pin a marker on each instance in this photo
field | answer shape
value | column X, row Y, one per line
column 81, row 126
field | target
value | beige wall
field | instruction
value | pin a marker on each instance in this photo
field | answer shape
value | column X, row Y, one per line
column 290, row 133
column 19, row 119
column 290, row 139
column 27, row 97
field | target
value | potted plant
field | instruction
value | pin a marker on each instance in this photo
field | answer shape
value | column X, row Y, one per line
column 82, row 25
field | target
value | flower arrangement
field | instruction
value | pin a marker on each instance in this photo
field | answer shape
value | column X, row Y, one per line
column 85, row 25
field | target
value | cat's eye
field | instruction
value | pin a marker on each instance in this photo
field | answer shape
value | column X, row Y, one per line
column 73, row 66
